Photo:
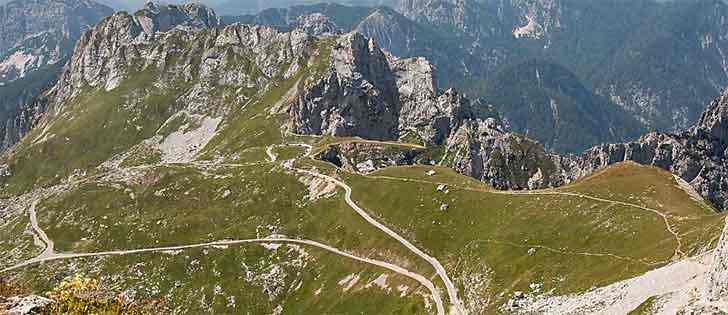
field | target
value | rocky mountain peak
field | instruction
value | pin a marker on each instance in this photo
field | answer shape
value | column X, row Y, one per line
column 317, row 24
column 371, row 94
column 105, row 54
column 356, row 97
column 357, row 57
column 161, row 18
column 714, row 120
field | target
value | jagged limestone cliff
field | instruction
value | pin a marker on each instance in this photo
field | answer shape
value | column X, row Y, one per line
column 162, row 138
column 716, row 282
column 356, row 97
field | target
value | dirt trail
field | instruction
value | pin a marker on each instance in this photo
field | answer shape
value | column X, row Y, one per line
column 49, row 254
column 456, row 304
column 678, row 249
column 48, row 251
column 679, row 253
column 394, row 268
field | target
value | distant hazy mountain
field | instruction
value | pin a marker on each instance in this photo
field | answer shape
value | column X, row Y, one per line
column 616, row 67
column 36, row 39
column 233, row 7
column 239, row 7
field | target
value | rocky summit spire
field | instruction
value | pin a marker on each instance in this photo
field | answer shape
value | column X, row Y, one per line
column 161, row 18
column 714, row 121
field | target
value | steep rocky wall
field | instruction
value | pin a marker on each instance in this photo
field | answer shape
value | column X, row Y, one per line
column 716, row 285
column 356, row 97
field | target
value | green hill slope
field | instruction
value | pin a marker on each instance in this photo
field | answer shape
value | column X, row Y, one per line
column 174, row 178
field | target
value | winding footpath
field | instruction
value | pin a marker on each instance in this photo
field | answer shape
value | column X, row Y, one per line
column 394, row 268
column 679, row 253
column 49, row 254
column 678, row 249
column 456, row 306
column 48, row 251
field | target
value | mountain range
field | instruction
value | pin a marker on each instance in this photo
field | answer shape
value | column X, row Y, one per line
column 616, row 66
column 180, row 162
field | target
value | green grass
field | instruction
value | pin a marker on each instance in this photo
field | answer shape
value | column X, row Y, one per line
column 204, row 280
column 183, row 205
column 497, row 230
column 94, row 128
column 251, row 125
column 15, row 245
column 491, row 243
column 643, row 185
column 645, row 308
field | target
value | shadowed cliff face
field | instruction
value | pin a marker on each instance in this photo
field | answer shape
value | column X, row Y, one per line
column 367, row 94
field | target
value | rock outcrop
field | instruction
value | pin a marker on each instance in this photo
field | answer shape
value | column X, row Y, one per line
column 317, row 24
column 373, row 95
column 22, row 305
column 425, row 112
column 367, row 157
column 486, row 151
column 697, row 155
column 716, row 281
column 356, row 97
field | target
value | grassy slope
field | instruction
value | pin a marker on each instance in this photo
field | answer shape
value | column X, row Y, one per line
column 497, row 230
column 174, row 205
column 243, row 279
column 16, row 245
column 95, row 127
column 181, row 205
column 483, row 238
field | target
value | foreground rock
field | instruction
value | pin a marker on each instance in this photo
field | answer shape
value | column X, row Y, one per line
column 716, row 282
column 23, row 305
